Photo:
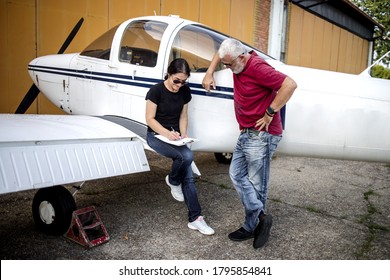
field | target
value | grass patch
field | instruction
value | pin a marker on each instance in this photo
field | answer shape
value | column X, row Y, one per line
column 276, row 200
column 313, row 209
column 223, row 186
column 368, row 222
column 380, row 227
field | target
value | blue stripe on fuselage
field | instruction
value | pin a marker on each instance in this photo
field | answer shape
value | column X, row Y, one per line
column 220, row 92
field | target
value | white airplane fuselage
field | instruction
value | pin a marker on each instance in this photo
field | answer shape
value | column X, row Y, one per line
column 331, row 114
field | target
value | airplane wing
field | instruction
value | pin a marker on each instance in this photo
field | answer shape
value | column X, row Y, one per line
column 38, row 151
column 138, row 128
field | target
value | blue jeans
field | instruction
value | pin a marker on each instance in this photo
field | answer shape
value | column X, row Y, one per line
column 249, row 172
column 181, row 172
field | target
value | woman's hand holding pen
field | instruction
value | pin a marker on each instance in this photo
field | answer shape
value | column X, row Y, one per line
column 174, row 135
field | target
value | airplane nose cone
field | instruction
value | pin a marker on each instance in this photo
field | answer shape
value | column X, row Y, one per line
column 33, row 62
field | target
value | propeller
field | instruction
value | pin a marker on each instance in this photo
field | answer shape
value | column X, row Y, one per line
column 33, row 92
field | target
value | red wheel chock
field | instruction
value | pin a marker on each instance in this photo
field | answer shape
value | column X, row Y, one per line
column 86, row 228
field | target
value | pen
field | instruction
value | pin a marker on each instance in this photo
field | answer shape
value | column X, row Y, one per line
column 175, row 132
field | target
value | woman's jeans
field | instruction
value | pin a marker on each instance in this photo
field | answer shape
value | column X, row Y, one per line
column 250, row 170
column 181, row 171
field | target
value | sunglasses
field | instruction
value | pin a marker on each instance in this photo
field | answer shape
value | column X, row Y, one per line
column 177, row 81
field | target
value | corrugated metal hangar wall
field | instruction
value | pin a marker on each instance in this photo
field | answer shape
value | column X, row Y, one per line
column 31, row 28
column 328, row 36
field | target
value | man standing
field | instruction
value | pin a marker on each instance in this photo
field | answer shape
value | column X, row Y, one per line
column 259, row 93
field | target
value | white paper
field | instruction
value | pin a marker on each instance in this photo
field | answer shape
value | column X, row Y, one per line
column 179, row 142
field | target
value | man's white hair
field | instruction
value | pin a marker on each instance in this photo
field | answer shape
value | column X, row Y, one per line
column 231, row 47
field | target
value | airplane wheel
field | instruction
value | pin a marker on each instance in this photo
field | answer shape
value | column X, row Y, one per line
column 225, row 158
column 52, row 209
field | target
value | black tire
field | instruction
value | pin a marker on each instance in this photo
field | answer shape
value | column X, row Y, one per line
column 52, row 209
column 225, row 158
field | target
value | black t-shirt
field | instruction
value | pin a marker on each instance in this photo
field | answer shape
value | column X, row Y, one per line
column 169, row 104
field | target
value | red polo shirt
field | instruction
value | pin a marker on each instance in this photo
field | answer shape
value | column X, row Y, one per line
column 254, row 90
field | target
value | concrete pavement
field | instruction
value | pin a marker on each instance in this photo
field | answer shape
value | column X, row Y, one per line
column 323, row 210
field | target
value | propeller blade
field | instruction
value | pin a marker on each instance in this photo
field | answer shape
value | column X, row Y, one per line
column 33, row 92
column 71, row 35
column 28, row 99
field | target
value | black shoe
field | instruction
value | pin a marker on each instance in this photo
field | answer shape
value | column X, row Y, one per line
column 262, row 230
column 240, row 235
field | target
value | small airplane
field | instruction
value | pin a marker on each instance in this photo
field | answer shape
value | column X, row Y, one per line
column 103, row 88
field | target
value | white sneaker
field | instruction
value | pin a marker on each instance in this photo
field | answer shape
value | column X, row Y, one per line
column 176, row 191
column 200, row 224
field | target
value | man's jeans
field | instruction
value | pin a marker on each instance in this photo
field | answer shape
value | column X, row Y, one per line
column 249, row 172
column 181, row 171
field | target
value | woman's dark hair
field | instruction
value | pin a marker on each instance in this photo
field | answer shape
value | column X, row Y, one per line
column 178, row 65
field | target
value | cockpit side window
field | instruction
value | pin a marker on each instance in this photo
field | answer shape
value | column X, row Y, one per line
column 141, row 41
column 198, row 44
column 101, row 47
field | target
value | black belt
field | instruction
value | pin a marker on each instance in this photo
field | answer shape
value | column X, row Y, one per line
column 250, row 129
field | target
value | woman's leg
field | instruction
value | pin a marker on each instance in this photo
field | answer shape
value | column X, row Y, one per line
column 190, row 195
column 181, row 172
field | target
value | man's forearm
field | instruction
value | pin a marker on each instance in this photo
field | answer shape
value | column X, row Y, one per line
column 284, row 94
column 213, row 65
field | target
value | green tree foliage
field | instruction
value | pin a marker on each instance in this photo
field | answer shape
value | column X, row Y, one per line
column 379, row 10
column 378, row 71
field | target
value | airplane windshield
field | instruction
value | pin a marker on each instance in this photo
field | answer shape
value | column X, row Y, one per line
column 198, row 44
column 101, row 47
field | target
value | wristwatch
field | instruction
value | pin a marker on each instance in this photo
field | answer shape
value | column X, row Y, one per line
column 270, row 110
